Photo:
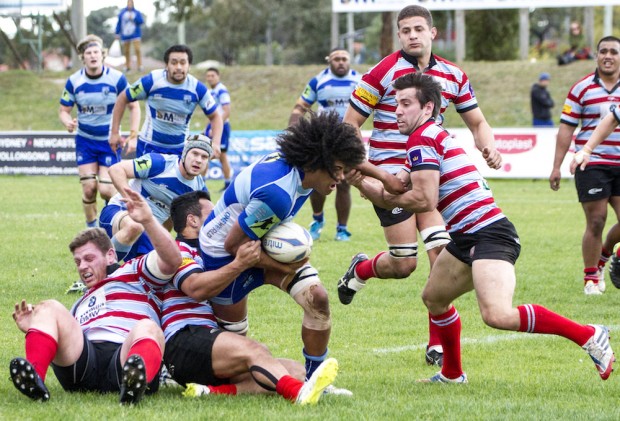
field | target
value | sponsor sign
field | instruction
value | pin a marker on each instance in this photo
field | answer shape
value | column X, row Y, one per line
column 526, row 152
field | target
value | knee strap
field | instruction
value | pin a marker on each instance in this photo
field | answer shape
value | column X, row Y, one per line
column 87, row 177
column 240, row 328
column 436, row 236
column 300, row 289
column 402, row 251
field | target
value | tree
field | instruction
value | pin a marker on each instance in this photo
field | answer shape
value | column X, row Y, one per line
column 492, row 35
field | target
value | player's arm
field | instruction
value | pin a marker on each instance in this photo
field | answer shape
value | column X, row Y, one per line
column 299, row 110
column 64, row 114
column 121, row 173
column 166, row 258
column 134, row 121
column 217, row 127
column 225, row 112
column 204, row 285
column 423, row 196
column 236, row 237
column 562, row 143
column 604, row 129
column 117, row 116
column 355, row 119
column 483, row 136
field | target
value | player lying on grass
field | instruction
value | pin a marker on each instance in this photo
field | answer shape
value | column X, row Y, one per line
column 199, row 354
column 484, row 245
column 110, row 341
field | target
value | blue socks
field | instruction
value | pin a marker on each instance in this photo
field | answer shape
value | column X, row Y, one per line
column 312, row 362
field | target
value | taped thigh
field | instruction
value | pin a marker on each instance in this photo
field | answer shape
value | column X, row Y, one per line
column 300, row 289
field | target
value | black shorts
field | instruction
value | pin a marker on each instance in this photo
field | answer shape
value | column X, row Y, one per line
column 98, row 369
column 391, row 217
column 498, row 241
column 188, row 356
column 597, row 182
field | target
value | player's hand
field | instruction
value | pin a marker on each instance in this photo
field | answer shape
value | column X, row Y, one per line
column 23, row 315
column 217, row 150
column 137, row 208
column 131, row 143
column 554, row 180
column 248, row 254
column 393, row 184
column 116, row 142
column 581, row 160
column 71, row 125
column 492, row 157
column 354, row 178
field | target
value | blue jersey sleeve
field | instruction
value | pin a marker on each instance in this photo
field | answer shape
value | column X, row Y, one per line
column 149, row 165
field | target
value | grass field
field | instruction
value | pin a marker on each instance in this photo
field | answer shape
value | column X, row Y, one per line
column 263, row 97
column 378, row 339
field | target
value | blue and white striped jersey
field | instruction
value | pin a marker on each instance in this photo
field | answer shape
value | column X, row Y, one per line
column 330, row 91
column 169, row 107
column 159, row 181
column 95, row 100
column 262, row 195
column 221, row 95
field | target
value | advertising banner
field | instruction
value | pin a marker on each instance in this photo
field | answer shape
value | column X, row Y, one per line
column 526, row 152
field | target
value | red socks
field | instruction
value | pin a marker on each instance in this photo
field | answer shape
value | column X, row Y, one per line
column 367, row 269
column 433, row 334
column 448, row 329
column 288, row 387
column 538, row 319
column 150, row 352
column 223, row 389
column 40, row 350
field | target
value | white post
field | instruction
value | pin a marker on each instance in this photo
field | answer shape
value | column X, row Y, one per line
column 524, row 33
column 460, row 35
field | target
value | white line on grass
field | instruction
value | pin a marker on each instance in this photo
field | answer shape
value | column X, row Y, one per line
column 480, row 341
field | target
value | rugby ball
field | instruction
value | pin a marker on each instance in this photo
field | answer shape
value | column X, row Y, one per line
column 287, row 242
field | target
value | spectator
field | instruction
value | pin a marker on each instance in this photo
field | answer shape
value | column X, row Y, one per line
column 128, row 31
column 578, row 49
column 541, row 101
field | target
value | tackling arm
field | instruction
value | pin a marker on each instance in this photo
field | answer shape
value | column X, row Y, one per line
column 236, row 237
column 205, row 285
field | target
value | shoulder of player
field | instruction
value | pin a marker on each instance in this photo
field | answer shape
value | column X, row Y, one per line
column 386, row 64
column 585, row 82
